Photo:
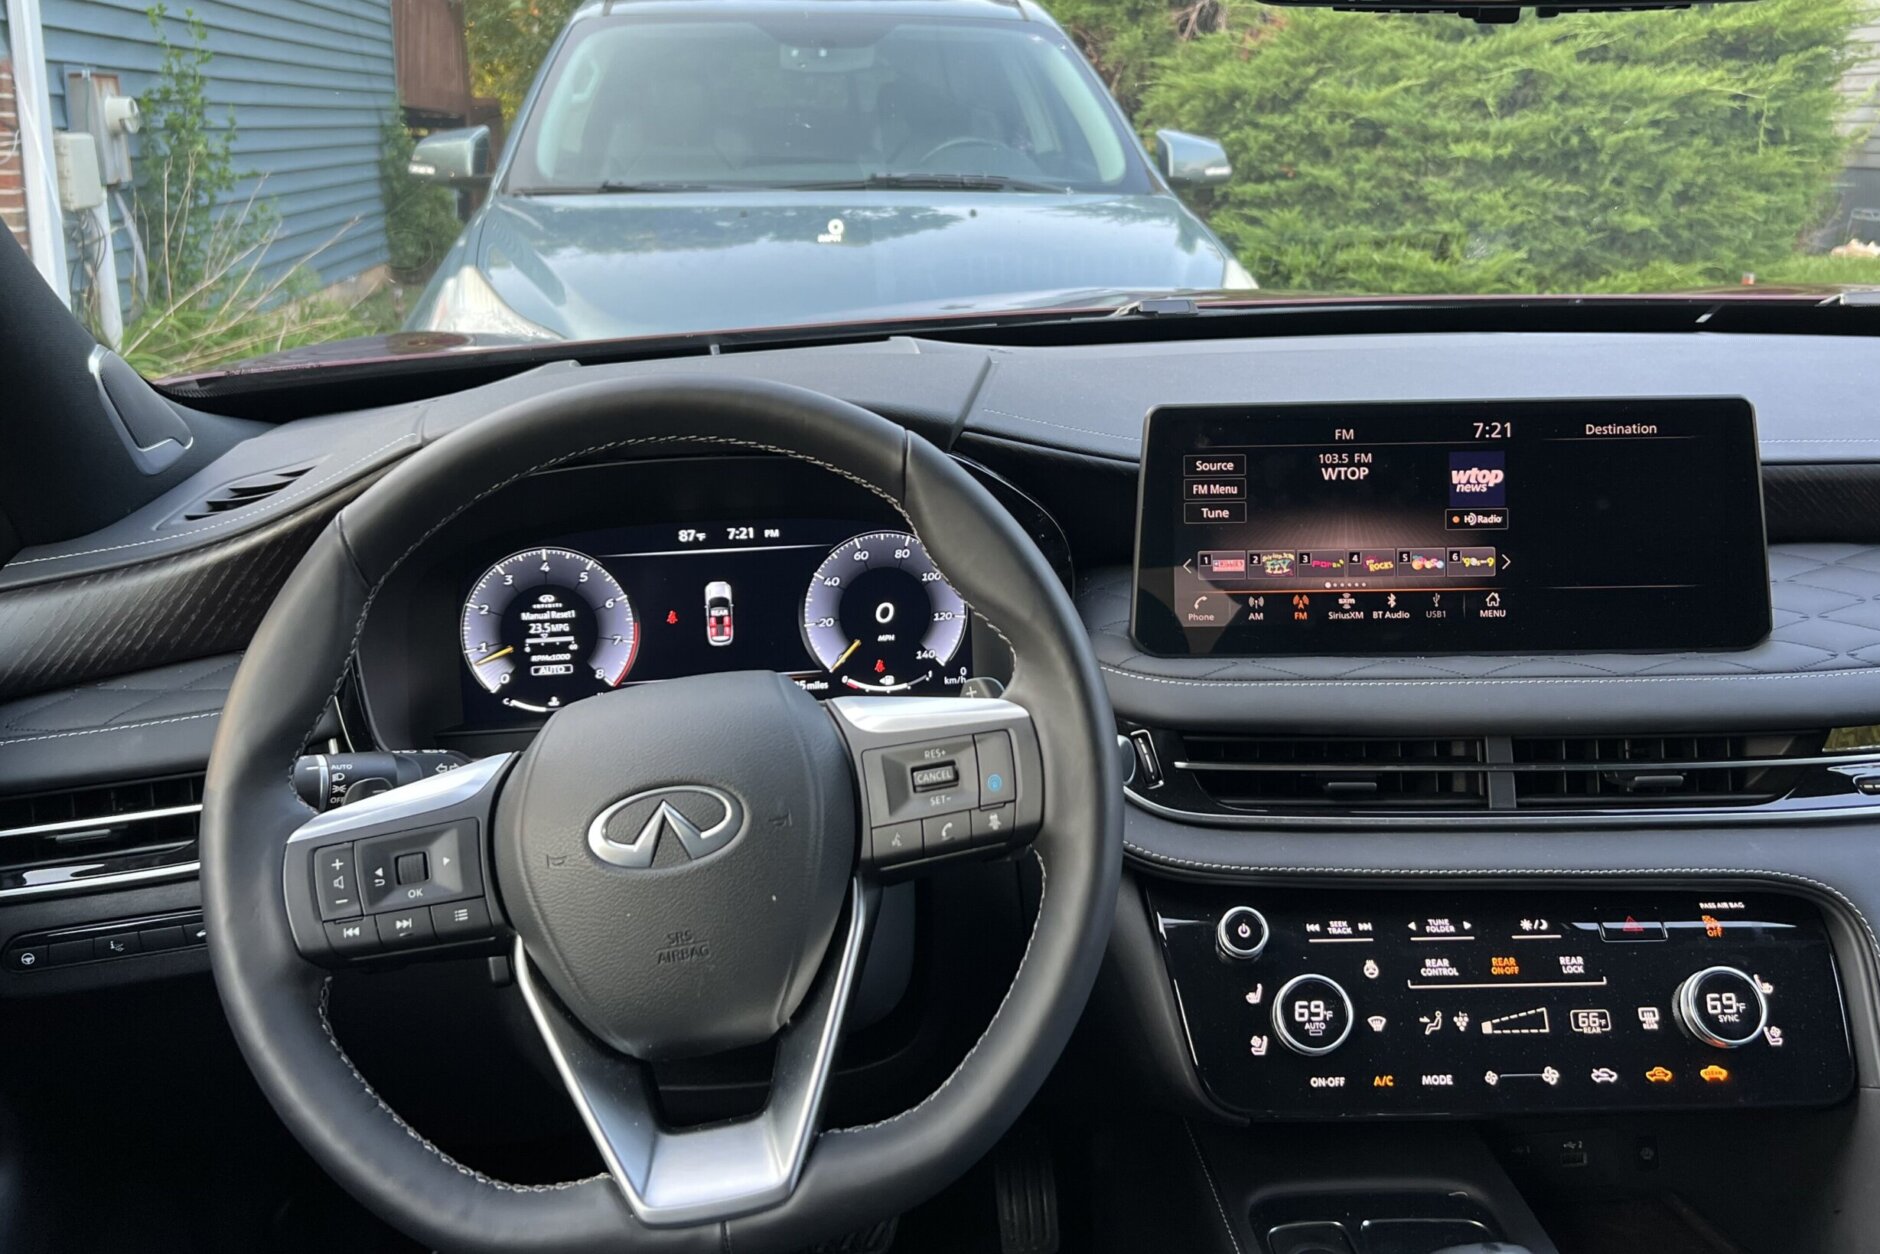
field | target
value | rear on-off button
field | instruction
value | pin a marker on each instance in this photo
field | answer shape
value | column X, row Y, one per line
column 1242, row 933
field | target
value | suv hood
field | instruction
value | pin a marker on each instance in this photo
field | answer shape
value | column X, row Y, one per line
column 627, row 264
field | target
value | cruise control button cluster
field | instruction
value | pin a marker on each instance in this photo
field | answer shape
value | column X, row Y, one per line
column 943, row 796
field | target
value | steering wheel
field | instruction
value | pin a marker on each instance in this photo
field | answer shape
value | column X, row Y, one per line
column 681, row 867
column 964, row 141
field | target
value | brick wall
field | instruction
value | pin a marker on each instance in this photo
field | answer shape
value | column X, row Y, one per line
column 12, row 175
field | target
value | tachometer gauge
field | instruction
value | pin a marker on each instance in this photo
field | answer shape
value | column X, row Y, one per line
column 544, row 627
column 878, row 615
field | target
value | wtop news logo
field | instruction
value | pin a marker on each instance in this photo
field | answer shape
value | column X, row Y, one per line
column 1477, row 479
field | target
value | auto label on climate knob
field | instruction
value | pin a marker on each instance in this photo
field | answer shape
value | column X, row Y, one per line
column 1312, row 1015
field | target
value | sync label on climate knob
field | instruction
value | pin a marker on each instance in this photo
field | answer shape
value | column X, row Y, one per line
column 1330, row 1003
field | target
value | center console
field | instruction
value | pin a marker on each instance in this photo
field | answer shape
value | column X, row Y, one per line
column 1338, row 1003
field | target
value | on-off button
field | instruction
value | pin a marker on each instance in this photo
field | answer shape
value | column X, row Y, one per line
column 1242, row 933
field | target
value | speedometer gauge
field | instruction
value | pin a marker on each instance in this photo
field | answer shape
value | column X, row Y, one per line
column 544, row 627
column 879, row 617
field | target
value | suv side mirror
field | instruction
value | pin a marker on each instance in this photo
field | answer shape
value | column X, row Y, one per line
column 453, row 157
column 1192, row 159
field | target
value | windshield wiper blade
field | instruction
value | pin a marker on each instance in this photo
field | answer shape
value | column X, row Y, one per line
column 935, row 182
column 629, row 186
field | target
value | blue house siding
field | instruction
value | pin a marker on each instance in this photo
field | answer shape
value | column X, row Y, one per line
column 309, row 84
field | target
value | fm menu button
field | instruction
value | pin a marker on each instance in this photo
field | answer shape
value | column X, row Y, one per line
column 1312, row 1015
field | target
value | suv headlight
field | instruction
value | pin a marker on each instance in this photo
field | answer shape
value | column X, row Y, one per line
column 467, row 304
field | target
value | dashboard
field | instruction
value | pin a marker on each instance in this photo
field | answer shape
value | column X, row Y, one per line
column 596, row 577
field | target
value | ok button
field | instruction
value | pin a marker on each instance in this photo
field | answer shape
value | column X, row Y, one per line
column 1242, row 933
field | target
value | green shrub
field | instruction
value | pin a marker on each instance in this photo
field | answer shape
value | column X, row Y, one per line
column 420, row 218
column 1583, row 152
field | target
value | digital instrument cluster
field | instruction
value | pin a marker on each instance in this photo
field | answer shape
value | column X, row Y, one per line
column 1475, row 527
column 844, row 608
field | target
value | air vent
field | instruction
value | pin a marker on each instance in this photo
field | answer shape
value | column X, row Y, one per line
column 1288, row 773
column 241, row 494
column 80, row 838
column 1330, row 779
column 1607, row 772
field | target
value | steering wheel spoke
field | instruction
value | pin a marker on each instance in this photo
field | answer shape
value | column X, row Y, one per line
column 403, row 872
column 941, row 778
column 722, row 1171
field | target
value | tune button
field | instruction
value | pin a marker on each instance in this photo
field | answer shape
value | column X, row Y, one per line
column 1312, row 1015
column 1242, row 933
column 1721, row 1006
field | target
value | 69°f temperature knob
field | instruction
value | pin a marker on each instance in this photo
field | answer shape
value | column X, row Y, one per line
column 1312, row 1015
column 1721, row 1006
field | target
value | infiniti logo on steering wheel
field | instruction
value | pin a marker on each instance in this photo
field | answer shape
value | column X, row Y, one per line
column 628, row 832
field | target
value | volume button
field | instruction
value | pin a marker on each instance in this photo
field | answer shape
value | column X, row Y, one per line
column 1242, row 933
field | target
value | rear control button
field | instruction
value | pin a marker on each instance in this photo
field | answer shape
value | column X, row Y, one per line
column 992, row 826
column 352, row 937
column 460, row 920
column 896, row 843
column 1242, row 933
column 944, row 833
column 404, row 928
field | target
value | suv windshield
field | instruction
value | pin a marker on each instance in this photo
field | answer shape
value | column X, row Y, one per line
column 635, row 104
column 320, row 181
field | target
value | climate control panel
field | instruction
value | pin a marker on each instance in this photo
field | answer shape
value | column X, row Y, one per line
column 1333, row 1003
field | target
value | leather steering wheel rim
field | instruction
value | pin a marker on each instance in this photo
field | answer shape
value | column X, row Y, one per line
column 276, row 1001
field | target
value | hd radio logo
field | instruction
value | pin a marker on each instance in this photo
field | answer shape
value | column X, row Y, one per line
column 1477, row 478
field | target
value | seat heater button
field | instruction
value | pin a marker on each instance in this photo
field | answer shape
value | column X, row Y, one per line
column 944, row 833
column 350, row 937
column 403, row 929
column 154, row 938
column 460, row 920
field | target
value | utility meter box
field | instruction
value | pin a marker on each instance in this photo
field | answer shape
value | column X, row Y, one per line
column 76, row 156
column 95, row 103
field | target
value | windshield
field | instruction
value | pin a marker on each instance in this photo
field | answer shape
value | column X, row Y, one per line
column 731, row 104
column 345, row 180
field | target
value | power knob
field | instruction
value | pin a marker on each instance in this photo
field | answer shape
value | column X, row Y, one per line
column 1242, row 933
column 1722, row 1007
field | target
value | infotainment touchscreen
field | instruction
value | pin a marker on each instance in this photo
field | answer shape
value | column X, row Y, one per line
column 1474, row 527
